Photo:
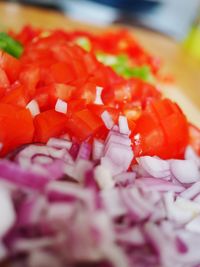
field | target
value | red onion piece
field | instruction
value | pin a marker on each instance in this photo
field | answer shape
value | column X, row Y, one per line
column 84, row 151
column 107, row 119
column 97, row 149
column 35, row 178
column 154, row 184
column 155, row 167
column 185, row 171
column 191, row 191
column 7, row 212
column 59, row 143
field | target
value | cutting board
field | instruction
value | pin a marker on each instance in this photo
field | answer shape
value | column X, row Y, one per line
column 185, row 70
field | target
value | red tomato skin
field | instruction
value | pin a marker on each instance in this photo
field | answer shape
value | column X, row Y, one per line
column 161, row 130
column 49, row 124
column 84, row 124
column 10, row 65
column 16, row 127
column 62, row 72
column 15, row 97
column 4, row 82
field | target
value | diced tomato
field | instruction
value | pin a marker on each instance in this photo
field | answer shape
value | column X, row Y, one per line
column 194, row 138
column 49, row 124
column 75, row 105
column 15, row 97
column 27, row 34
column 4, row 82
column 78, row 128
column 29, row 77
column 53, row 67
column 16, row 127
column 143, row 92
column 122, row 92
column 90, row 62
column 62, row 72
column 47, row 96
column 2, row 92
column 99, row 109
column 90, row 119
column 84, row 124
column 161, row 130
column 10, row 65
column 86, row 92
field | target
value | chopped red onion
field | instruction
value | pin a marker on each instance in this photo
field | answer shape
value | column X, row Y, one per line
column 99, row 210
column 190, row 154
column 84, row 151
column 191, row 191
column 3, row 251
column 120, row 155
column 132, row 235
column 193, row 225
column 98, row 99
column 59, row 143
column 33, row 107
column 7, row 212
column 107, row 119
column 155, row 167
column 61, row 106
column 43, row 259
column 125, row 178
column 154, row 184
column 185, row 171
column 103, row 177
column 123, row 125
column 97, row 149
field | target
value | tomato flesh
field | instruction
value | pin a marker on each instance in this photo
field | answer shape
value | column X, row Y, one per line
column 16, row 127
column 161, row 130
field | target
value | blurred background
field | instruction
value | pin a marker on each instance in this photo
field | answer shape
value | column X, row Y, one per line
column 171, row 17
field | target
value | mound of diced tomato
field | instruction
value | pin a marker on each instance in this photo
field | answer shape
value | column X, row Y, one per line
column 53, row 67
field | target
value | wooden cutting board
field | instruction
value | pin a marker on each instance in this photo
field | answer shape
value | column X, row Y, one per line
column 186, row 70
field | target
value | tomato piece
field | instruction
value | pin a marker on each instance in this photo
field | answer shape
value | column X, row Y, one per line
column 90, row 119
column 4, row 82
column 80, row 72
column 10, row 65
column 15, row 97
column 78, row 129
column 75, row 105
column 99, row 109
column 84, row 124
column 131, row 110
column 194, row 138
column 27, row 34
column 122, row 92
column 29, row 77
column 86, row 92
column 132, row 113
column 2, row 92
column 161, row 130
column 49, row 124
column 47, row 96
column 90, row 62
column 62, row 72
column 143, row 92
column 16, row 127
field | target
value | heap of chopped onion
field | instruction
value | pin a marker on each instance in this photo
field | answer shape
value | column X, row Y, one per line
column 65, row 204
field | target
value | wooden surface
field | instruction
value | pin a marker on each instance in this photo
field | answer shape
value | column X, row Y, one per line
column 176, row 61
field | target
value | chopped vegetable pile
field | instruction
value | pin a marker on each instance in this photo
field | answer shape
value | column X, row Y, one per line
column 97, row 168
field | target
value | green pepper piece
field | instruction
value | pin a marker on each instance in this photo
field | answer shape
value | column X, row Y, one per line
column 10, row 45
